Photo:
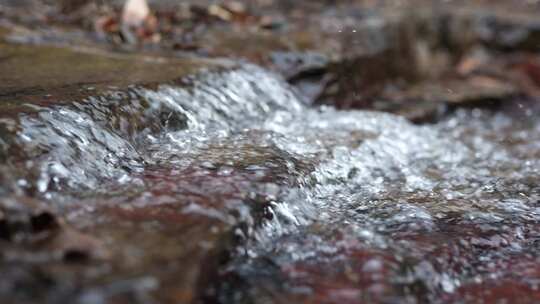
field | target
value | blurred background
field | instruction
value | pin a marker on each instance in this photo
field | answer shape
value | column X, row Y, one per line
column 353, row 53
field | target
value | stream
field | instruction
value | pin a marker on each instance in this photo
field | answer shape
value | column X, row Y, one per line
column 322, row 205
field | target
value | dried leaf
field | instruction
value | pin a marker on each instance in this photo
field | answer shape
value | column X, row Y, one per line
column 219, row 12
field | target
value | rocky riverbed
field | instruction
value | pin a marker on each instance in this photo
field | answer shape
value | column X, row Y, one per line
column 270, row 152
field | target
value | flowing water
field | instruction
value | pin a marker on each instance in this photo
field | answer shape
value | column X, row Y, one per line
column 350, row 206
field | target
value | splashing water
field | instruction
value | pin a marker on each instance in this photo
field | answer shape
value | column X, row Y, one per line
column 359, row 205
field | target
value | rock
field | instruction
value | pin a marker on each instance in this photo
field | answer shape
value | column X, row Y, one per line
column 427, row 101
column 472, row 91
column 42, row 73
column 510, row 32
column 21, row 218
column 423, row 267
column 154, row 233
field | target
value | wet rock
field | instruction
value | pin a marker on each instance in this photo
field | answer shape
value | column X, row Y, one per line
column 42, row 73
column 75, row 247
column 416, row 109
column 427, row 102
column 423, row 267
column 53, row 87
column 153, row 223
column 177, row 235
column 297, row 65
column 472, row 91
column 510, row 32
column 21, row 217
column 29, row 224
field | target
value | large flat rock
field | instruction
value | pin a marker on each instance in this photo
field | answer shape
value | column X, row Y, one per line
column 37, row 72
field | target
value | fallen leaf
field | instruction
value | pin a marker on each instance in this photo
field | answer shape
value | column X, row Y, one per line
column 106, row 25
column 219, row 12
column 475, row 60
